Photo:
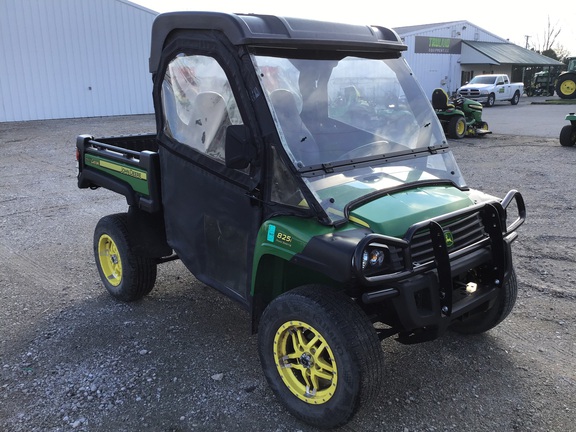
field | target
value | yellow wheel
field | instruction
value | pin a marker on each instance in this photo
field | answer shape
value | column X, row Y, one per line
column 305, row 362
column 566, row 86
column 320, row 355
column 109, row 260
column 126, row 275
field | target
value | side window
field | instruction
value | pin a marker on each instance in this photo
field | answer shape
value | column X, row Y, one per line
column 198, row 104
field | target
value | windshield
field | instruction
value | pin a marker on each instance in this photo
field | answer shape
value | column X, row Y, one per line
column 482, row 80
column 355, row 126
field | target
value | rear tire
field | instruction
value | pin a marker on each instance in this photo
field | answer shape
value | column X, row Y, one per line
column 457, row 127
column 516, row 98
column 566, row 86
column 126, row 275
column 320, row 355
column 568, row 136
column 484, row 320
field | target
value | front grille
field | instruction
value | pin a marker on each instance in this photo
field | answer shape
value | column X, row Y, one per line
column 470, row 92
column 465, row 231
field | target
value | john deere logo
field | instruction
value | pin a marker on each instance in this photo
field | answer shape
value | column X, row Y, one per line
column 448, row 238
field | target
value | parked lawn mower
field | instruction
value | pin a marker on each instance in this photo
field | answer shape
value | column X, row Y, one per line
column 568, row 132
column 459, row 116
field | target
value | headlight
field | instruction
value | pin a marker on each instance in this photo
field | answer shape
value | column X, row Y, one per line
column 379, row 257
column 374, row 258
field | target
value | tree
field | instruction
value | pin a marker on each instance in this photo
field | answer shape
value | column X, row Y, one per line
column 550, row 47
column 549, row 38
column 562, row 53
column 550, row 53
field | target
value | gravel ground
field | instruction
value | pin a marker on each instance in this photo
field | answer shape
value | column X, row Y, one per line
column 183, row 359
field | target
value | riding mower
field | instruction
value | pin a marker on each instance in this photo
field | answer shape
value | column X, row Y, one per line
column 568, row 132
column 459, row 116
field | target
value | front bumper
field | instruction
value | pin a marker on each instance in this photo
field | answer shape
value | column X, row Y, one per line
column 427, row 295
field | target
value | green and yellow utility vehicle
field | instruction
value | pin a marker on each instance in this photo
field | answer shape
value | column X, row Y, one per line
column 335, row 220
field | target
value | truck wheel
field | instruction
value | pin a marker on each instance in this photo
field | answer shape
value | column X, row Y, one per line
column 516, row 98
column 125, row 275
column 488, row 318
column 491, row 100
column 320, row 355
column 457, row 127
column 568, row 136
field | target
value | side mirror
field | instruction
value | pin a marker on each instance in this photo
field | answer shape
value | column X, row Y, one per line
column 239, row 150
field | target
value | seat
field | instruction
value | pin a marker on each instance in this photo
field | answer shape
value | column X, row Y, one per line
column 299, row 139
column 441, row 100
column 206, row 130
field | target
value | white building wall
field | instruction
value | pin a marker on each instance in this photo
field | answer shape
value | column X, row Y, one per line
column 442, row 70
column 74, row 58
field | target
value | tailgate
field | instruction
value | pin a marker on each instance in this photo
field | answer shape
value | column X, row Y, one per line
column 126, row 165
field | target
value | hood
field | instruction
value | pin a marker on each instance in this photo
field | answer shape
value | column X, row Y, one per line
column 476, row 86
column 393, row 214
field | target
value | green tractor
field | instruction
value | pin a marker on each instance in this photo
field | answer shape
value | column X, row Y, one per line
column 566, row 83
column 542, row 84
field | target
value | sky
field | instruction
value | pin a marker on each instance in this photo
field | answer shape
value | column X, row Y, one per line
column 508, row 19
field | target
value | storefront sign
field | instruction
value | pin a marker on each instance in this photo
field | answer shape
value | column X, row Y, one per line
column 437, row 45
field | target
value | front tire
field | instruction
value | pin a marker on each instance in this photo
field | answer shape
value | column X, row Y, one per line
column 482, row 128
column 483, row 320
column 491, row 100
column 126, row 275
column 568, row 136
column 457, row 127
column 320, row 355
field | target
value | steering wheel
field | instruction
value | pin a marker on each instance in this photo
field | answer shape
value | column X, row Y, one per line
column 376, row 147
column 458, row 100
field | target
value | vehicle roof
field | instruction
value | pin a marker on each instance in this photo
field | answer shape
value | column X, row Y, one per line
column 275, row 31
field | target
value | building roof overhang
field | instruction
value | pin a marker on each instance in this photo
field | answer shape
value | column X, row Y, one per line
column 495, row 53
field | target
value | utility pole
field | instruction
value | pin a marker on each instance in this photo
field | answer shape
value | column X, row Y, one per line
column 524, row 67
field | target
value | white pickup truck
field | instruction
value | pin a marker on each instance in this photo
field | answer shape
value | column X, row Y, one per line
column 488, row 89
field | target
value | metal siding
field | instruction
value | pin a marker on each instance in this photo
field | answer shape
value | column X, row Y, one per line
column 70, row 58
column 442, row 70
column 433, row 70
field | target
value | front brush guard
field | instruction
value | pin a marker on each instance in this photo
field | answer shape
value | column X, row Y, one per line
column 493, row 216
